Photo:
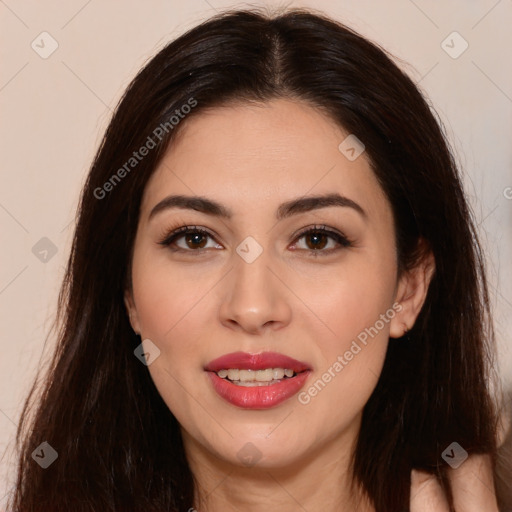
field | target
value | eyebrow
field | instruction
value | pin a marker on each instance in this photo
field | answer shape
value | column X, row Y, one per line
column 287, row 209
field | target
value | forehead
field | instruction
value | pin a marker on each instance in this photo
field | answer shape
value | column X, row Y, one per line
column 274, row 132
column 248, row 154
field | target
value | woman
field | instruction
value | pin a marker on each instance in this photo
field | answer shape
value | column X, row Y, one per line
column 275, row 297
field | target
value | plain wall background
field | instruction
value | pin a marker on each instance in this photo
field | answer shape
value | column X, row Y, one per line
column 54, row 112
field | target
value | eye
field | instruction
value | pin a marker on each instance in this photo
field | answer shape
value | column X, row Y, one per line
column 317, row 238
column 196, row 239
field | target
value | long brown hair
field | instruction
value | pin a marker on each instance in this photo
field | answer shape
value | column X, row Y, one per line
column 119, row 446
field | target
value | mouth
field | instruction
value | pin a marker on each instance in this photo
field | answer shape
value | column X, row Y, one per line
column 257, row 381
column 249, row 378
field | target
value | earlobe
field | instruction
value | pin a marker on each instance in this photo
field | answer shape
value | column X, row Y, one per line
column 132, row 312
column 411, row 294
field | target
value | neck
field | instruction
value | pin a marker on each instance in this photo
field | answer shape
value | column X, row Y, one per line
column 317, row 482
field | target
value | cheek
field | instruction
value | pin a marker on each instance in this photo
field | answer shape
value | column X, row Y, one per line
column 352, row 300
column 170, row 300
column 355, row 315
column 173, row 309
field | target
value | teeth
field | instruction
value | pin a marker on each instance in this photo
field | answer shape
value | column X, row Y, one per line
column 278, row 373
column 264, row 375
column 255, row 376
column 245, row 375
column 253, row 384
column 234, row 374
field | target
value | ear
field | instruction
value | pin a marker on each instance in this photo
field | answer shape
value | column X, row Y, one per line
column 412, row 291
column 132, row 311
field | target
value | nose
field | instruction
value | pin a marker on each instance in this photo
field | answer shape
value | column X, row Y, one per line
column 255, row 298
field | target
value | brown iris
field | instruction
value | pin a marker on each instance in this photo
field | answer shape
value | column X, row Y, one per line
column 194, row 238
column 317, row 236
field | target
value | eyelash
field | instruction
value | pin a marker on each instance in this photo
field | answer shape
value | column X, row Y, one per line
column 169, row 237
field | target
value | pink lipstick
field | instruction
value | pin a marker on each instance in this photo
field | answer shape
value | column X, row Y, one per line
column 257, row 381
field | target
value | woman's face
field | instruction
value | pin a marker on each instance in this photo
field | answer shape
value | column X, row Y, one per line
column 256, row 284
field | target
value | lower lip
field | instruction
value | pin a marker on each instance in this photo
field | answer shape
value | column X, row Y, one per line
column 258, row 397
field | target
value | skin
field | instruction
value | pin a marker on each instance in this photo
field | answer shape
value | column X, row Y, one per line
column 196, row 307
column 471, row 483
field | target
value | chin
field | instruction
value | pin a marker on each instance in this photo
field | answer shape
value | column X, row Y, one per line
column 259, row 451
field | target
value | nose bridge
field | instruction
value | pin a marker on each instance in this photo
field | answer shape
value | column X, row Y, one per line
column 252, row 278
column 255, row 295
column 251, row 269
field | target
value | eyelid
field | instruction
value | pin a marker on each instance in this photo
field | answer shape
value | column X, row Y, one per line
column 172, row 234
column 321, row 228
column 339, row 237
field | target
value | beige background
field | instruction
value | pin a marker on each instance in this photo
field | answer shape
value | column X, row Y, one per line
column 54, row 111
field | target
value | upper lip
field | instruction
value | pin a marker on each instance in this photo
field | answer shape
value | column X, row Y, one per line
column 261, row 361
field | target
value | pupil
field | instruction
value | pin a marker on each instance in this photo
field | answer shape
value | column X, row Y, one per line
column 195, row 239
column 317, row 239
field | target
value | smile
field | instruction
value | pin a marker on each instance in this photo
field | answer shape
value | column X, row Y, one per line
column 256, row 377
column 257, row 381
